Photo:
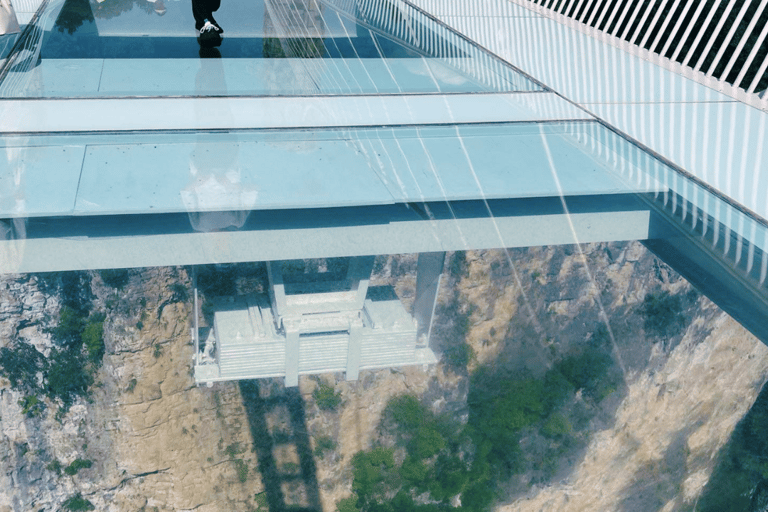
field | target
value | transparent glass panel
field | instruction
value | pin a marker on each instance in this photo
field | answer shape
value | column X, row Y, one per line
column 121, row 48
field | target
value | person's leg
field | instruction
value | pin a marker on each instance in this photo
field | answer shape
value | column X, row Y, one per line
column 203, row 10
column 214, row 6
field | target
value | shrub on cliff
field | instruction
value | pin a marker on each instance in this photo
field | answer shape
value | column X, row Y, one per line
column 593, row 371
column 67, row 377
column 69, row 329
column 20, row 365
column 93, row 337
column 77, row 465
column 662, row 311
column 326, row 397
column 115, row 277
column 77, row 503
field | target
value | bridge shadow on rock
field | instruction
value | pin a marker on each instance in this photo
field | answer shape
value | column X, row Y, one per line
column 280, row 440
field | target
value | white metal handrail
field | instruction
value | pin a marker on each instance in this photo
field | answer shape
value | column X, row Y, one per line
column 721, row 43
column 397, row 19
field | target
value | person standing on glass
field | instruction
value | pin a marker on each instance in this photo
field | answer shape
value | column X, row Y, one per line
column 205, row 24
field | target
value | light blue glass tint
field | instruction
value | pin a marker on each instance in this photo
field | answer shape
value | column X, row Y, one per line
column 263, row 170
column 119, row 48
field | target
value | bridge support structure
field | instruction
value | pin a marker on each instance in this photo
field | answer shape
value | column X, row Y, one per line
column 320, row 322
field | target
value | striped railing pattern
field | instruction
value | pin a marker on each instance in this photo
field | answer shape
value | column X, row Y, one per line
column 23, row 57
column 720, row 43
column 732, row 167
column 398, row 20
column 736, row 236
column 26, row 6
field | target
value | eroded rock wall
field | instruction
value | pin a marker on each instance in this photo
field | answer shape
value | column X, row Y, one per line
column 157, row 441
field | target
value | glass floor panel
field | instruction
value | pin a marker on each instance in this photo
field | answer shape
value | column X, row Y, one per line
column 118, row 48
column 105, row 174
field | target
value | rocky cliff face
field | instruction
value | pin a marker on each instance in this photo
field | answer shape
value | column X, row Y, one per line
column 149, row 439
column 684, row 385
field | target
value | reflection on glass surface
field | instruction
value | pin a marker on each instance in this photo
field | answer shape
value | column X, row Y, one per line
column 407, row 278
column 270, row 47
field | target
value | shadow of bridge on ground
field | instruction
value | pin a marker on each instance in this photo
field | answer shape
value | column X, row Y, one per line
column 281, row 442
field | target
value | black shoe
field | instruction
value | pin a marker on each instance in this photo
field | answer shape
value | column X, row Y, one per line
column 216, row 24
column 209, row 39
column 207, row 27
column 209, row 36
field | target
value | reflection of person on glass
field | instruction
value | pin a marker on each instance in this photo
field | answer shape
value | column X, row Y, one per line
column 216, row 198
column 205, row 24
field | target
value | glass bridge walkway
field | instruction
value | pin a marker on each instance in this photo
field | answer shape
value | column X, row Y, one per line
column 341, row 128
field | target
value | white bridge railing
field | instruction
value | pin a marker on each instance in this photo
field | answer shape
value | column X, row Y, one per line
column 720, row 43
column 411, row 27
column 26, row 9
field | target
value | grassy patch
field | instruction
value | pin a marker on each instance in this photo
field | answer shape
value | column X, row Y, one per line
column 69, row 329
column 242, row 470
column 326, row 397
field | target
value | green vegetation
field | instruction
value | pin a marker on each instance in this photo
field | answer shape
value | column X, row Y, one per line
column 77, row 503
column 55, row 466
column 326, row 397
column 434, row 463
column 454, row 320
column 348, row 504
column 69, row 329
column 21, row 365
column 215, row 281
column 453, row 334
column 77, row 465
column 556, row 426
column 233, row 449
column 435, row 458
column 261, row 501
column 179, row 292
column 115, row 277
column 662, row 312
column 31, row 406
column 70, row 373
column 739, row 482
column 68, row 376
column 278, row 48
column 323, row 444
column 242, row 470
column 78, row 348
column 590, row 372
column 93, row 337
